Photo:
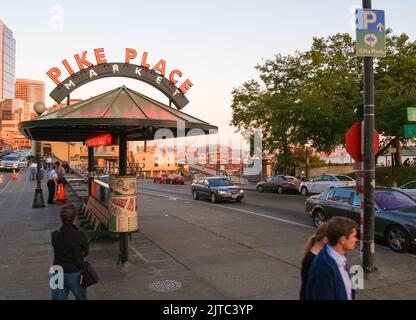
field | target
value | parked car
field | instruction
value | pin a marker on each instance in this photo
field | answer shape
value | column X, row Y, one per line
column 23, row 162
column 216, row 189
column 279, row 184
column 176, row 179
column 10, row 162
column 324, row 182
column 161, row 178
column 409, row 188
column 395, row 213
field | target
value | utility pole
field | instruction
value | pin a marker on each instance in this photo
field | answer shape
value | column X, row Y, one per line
column 369, row 161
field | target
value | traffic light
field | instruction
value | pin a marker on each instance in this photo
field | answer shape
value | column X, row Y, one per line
column 359, row 111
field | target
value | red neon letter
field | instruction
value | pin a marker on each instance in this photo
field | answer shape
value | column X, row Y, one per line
column 130, row 54
column 160, row 67
column 185, row 86
column 144, row 63
column 100, row 56
column 82, row 60
column 173, row 74
column 68, row 67
column 54, row 74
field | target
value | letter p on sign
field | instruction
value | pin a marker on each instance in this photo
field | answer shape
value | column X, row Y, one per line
column 369, row 18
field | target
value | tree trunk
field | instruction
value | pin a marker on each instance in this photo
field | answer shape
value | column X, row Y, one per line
column 398, row 154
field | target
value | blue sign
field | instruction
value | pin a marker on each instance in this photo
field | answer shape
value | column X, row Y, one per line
column 370, row 29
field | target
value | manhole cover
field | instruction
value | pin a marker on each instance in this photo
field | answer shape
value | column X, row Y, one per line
column 165, row 286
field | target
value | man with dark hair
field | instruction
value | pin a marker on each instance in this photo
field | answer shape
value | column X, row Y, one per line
column 70, row 246
column 328, row 278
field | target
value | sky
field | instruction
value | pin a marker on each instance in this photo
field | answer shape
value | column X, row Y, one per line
column 215, row 43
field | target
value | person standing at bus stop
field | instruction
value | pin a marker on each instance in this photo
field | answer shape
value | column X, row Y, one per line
column 70, row 246
column 52, row 179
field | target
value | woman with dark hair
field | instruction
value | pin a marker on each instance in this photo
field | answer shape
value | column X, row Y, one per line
column 314, row 245
column 70, row 246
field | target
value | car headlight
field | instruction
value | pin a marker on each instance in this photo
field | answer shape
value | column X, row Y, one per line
column 223, row 193
column 241, row 191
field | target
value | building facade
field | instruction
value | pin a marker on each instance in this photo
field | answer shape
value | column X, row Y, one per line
column 29, row 90
column 7, row 62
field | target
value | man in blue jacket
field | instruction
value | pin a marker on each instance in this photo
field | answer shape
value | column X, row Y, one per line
column 328, row 277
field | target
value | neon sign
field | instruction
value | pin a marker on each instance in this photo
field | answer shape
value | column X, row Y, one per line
column 104, row 140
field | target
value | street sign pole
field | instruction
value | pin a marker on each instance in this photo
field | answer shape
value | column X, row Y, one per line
column 369, row 161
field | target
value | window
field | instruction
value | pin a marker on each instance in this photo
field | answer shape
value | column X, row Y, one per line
column 393, row 200
column 156, row 165
column 113, row 149
column 344, row 178
column 330, row 195
column 357, row 200
column 410, row 185
column 320, row 178
column 7, row 115
column 342, row 196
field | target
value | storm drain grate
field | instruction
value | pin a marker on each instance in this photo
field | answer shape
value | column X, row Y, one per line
column 165, row 285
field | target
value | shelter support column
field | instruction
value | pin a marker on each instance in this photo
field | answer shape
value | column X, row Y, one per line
column 122, row 170
column 90, row 168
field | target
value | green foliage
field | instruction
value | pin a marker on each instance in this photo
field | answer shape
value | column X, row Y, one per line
column 311, row 96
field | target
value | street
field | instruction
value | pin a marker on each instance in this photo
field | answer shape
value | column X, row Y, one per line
column 266, row 207
column 285, row 207
column 4, row 178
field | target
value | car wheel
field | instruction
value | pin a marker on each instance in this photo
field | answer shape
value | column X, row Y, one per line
column 304, row 191
column 318, row 218
column 397, row 239
column 260, row 189
column 279, row 190
column 213, row 198
column 195, row 195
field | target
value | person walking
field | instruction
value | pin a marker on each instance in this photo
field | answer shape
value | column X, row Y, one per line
column 33, row 170
column 52, row 178
column 314, row 245
column 328, row 278
column 60, row 171
column 70, row 246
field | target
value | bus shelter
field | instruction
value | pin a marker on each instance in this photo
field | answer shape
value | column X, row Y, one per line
column 121, row 114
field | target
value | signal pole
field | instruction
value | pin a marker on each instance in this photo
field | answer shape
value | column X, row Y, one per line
column 369, row 162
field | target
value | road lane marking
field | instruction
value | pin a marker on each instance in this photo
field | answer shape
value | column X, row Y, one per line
column 240, row 210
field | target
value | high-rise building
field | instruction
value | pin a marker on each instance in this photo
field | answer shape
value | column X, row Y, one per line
column 30, row 90
column 7, row 62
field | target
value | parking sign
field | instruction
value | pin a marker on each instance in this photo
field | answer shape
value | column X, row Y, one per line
column 370, row 31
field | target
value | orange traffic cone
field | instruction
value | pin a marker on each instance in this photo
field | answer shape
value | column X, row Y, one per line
column 61, row 193
column 14, row 175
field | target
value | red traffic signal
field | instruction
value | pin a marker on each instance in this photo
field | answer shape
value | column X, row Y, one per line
column 353, row 141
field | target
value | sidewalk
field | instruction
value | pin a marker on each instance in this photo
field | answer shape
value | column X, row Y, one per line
column 176, row 255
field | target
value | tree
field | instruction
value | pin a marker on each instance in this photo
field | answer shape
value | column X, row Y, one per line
column 304, row 96
column 395, row 78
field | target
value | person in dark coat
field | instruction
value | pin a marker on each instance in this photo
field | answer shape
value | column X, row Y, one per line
column 314, row 245
column 70, row 246
column 328, row 278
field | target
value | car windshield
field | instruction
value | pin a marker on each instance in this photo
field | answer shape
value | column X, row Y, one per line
column 9, row 158
column 344, row 178
column 393, row 200
column 220, row 183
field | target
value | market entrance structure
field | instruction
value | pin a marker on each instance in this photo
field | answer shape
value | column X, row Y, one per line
column 121, row 114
